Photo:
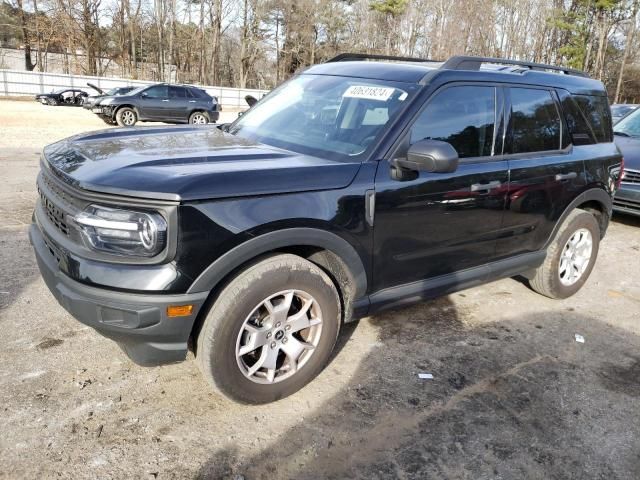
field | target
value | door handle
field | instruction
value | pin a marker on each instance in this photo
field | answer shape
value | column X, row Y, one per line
column 566, row 176
column 192, row 101
column 165, row 100
column 479, row 187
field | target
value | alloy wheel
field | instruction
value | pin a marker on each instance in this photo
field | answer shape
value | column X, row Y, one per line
column 198, row 119
column 279, row 336
column 128, row 117
column 575, row 256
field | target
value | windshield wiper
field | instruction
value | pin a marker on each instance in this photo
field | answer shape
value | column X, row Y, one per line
column 622, row 134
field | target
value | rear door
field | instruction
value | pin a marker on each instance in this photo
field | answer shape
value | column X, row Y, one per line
column 178, row 103
column 433, row 224
column 546, row 175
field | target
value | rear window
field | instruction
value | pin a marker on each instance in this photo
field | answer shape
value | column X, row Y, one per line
column 535, row 124
column 596, row 111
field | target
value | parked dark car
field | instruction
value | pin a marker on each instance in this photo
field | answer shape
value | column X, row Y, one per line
column 159, row 103
column 619, row 110
column 63, row 96
column 354, row 187
column 91, row 100
column 627, row 137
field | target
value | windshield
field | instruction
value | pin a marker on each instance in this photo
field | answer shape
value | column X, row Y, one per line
column 330, row 117
column 136, row 91
column 118, row 91
column 621, row 110
column 629, row 125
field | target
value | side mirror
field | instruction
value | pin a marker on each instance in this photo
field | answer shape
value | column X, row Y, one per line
column 251, row 100
column 429, row 156
column 144, row 95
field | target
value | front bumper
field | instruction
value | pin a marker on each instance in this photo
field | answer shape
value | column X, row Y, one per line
column 627, row 199
column 137, row 322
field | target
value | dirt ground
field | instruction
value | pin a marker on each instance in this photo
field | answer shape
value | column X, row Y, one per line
column 513, row 394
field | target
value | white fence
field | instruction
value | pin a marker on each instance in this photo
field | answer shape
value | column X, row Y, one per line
column 17, row 83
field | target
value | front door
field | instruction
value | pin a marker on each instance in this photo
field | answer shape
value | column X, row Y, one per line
column 154, row 104
column 433, row 224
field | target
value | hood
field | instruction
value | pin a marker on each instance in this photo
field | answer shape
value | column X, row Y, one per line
column 96, row 88
column 188, row 163
column 630, row 148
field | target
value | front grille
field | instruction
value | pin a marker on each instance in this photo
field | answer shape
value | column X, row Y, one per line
column 55, row 215
column 631, row 176
column 626, row 203
column 57, row 201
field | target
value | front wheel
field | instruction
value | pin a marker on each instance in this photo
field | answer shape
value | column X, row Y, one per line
column 198, row 118
column 126, row 117
column 570, row 257
column 271, row 330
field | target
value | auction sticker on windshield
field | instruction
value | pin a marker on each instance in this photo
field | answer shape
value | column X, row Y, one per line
column 371, row 93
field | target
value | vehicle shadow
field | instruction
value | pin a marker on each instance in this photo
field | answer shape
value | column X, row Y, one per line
column 629, row 220
column 515, row 398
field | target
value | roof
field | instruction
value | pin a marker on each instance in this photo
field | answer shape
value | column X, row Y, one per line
column 421, row 71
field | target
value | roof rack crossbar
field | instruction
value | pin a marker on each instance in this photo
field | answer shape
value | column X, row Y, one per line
column 461, row 62
column 345, row 57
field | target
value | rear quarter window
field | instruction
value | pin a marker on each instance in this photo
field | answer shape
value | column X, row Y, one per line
column 579, row 128
column 596, row 111
column 197, row 93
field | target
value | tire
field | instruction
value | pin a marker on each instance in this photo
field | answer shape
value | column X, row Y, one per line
column 554, row 279
column 126, row 117
column 225, row 331
column 199, row 118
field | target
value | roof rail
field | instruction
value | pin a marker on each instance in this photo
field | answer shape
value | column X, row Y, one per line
column 461, row 62
column 345, row 57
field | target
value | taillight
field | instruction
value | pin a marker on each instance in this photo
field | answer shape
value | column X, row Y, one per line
column 620, row 173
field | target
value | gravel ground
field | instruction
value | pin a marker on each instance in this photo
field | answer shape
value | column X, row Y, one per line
column 513, row 395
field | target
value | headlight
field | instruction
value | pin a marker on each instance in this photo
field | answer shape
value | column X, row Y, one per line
column 123, row 232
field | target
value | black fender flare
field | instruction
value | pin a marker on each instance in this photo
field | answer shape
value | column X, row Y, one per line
column 289, row 237
column 593, row 194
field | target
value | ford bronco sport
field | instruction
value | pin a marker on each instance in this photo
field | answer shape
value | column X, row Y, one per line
column 356, row 186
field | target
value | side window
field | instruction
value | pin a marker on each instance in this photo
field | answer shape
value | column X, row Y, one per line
column 159, row 91
column 579, row 129
column 197, row 93
column 463, row 116
column 597, row 112
column 176, row 92
column 535, row 122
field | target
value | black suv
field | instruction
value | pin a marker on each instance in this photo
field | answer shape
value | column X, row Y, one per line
column 353, row 187
column 158, row 103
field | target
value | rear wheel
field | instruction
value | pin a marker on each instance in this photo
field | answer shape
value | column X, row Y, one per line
column 271, row 330
column 198, row 118
column 126, row 117
column 570, row 257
